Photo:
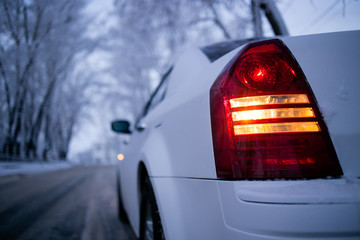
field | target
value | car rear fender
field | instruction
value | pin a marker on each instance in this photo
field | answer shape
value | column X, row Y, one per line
column 330, row 63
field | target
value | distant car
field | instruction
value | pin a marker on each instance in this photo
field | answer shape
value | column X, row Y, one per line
column 249, row 140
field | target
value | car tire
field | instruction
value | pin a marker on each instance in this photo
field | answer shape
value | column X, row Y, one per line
column 121, row 211
column 150, row 225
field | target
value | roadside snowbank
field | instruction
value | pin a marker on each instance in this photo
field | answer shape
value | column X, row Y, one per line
column 11, row 168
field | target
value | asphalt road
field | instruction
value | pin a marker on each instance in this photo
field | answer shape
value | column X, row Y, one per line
column 76, row 203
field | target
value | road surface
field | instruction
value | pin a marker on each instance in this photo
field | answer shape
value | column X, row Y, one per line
column 76, row 203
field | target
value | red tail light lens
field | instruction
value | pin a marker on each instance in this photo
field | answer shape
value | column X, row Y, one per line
column 263, row 72
column 265, row 120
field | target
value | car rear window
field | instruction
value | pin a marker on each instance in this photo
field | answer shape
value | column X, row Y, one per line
column 217, row 50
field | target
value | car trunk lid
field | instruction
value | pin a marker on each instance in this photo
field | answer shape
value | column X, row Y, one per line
column 330, row 63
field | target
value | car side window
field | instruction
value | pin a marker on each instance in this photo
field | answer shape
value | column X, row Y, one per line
column 157, row 96
column 159, row 93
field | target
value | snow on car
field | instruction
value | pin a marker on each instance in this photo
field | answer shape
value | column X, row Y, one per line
column 255, row 140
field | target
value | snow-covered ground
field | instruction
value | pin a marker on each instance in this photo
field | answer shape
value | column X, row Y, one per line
column 10, row 168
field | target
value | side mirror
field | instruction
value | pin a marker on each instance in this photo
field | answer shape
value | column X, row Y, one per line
column 121, row 126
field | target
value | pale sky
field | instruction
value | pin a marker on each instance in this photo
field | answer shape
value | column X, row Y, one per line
column 318, row 16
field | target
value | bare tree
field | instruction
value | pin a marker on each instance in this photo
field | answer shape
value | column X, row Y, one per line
column 39, row 42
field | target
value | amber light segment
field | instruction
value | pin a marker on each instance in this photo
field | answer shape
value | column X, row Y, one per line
column 269, row 100
column 120, row 156
column 276, row 128
column 273, row 113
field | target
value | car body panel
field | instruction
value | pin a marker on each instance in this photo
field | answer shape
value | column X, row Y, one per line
column 184, row 115
column 176, row 149
column 317, row 191
column 306, row 221
column 336, row 88
column 212, row 209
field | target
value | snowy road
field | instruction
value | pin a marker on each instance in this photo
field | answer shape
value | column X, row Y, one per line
column 75, row 203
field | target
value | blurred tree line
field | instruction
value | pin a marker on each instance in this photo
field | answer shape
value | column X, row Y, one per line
column 40, row 96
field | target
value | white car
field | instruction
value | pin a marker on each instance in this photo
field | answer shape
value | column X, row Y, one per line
column 256, row 140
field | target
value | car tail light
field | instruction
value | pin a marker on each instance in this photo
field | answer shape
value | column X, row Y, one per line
column 265, row 120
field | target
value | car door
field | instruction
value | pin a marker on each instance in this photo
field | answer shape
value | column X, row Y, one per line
column 128, row 168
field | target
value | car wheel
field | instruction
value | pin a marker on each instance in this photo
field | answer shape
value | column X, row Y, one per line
column 150, row 225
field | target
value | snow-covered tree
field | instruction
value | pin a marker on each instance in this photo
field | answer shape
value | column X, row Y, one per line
column 39, row 42
column 150, row 32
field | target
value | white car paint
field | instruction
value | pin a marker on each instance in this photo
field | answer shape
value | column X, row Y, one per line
column 176, row 149
column 336, row 88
